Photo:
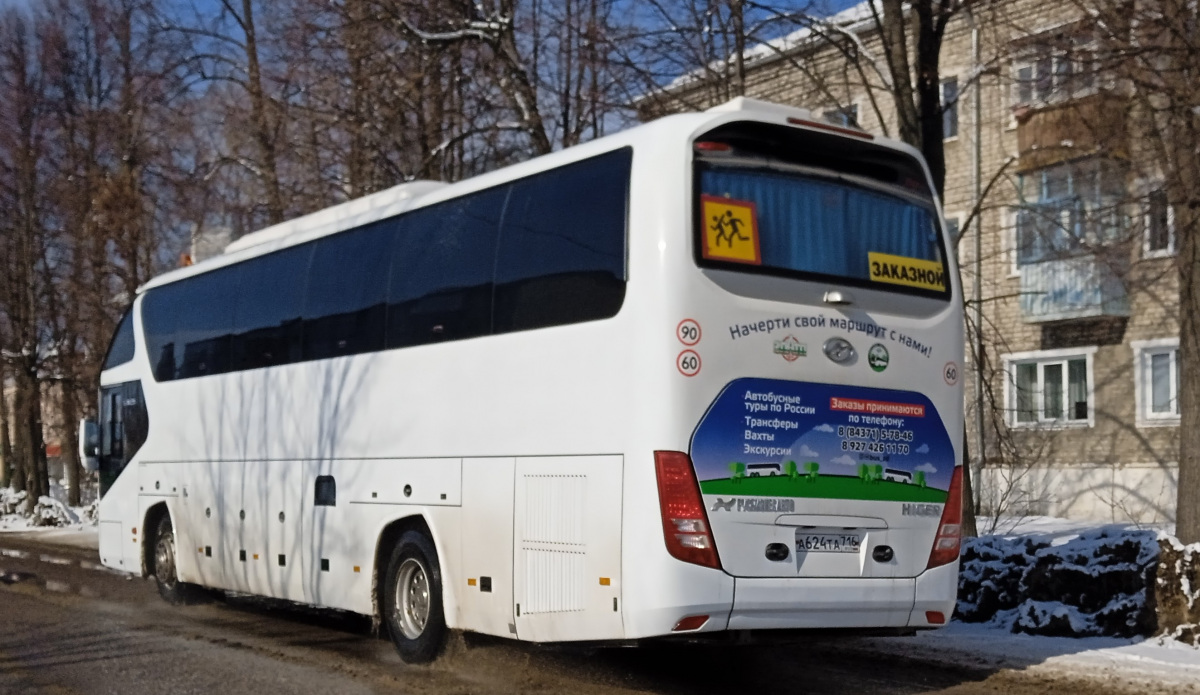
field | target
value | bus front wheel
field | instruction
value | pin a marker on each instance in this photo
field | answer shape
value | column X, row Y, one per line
column 169, row 587
column 412, row 599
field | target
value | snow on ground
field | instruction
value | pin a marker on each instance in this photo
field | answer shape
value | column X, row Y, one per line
column 48, row 514
column 1164, row 665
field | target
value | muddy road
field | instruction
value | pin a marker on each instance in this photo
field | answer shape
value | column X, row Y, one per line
column 68, row 625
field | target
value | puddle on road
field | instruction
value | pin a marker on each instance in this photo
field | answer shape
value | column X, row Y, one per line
column 7, row 577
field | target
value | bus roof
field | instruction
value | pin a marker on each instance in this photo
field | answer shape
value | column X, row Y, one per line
column 416, row 194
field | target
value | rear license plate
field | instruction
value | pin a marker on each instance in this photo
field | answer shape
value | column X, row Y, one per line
column 828, row 542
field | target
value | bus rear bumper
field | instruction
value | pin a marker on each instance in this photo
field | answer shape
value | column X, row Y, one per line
column 823, row 603
column 812, row 603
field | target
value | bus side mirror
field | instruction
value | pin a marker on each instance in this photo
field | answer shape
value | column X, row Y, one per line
column 89, row 444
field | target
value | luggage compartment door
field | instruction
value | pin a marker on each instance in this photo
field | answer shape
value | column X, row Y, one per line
column 567, row 564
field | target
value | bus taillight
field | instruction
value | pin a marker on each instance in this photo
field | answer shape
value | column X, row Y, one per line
column 685, row 523
column 949, row 534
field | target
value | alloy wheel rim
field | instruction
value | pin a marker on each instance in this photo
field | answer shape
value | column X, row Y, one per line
column 164, row 560
column 412, row 598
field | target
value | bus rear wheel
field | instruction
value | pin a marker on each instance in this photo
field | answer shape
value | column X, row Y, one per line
column 412, row 599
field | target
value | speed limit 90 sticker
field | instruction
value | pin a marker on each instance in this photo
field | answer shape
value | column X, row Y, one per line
column 688, row 332
column 688, row 363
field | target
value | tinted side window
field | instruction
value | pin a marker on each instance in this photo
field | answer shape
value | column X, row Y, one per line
column 345, row 311
column 442, row 264
column 561, row 257
column 188, row 323
column 270, row 300
column 159, row 315
column 204, row 322
column 121, row 349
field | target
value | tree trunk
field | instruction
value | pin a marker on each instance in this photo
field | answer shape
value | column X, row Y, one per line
column 6, row 453
column 70, row 443
column 895, row 45
column 1187, row 216
column 970, row 528
column 28, row 447
column 738, row 17
column 264, row 134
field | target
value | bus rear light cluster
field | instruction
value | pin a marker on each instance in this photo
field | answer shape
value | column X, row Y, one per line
column 949, row 534
column 685, row 523
column 710, row 146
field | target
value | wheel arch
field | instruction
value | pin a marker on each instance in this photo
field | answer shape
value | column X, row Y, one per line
column 154, row 515
column 388, row 536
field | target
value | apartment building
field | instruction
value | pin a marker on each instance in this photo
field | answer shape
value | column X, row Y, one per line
column 1075, row 266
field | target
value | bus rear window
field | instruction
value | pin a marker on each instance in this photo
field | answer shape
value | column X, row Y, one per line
column 774, row 220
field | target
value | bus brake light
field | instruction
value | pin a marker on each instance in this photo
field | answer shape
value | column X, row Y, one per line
column 949, row 533
column 685, row 523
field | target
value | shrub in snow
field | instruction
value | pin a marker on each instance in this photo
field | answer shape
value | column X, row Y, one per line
column 50, row 512
column 1177, row 590
column 13, row 502
column 1092, row 584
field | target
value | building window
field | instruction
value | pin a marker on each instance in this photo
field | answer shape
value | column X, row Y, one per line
column 1160, row 226
column 1048, row 74
column 845, row 116
column 1156, row 377
column 1051, row 387
column 950, row 108
column 1069, row 210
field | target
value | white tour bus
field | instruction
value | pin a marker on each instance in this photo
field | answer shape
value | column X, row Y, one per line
column 525, row 404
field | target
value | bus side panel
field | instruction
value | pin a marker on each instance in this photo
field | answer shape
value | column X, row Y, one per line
column 371, row 494
column 198, row 523
column 567, row 565
column 486, row 548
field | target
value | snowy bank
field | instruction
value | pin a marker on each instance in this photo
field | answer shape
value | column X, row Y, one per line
column 18, row 514
column 1067, row 580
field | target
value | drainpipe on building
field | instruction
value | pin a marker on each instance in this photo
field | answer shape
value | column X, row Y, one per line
column 977, row 261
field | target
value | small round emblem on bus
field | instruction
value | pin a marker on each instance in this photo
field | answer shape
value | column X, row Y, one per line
column 839, row 350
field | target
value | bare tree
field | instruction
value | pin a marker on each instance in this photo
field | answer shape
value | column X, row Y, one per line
column 1154, row 47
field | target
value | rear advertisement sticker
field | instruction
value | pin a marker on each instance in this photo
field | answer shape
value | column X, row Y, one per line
column 730, row 230
column 910, row 272
column 773, row 438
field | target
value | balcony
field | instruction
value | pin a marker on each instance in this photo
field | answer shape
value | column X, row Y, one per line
column 1072, row 288
column 1048, row 133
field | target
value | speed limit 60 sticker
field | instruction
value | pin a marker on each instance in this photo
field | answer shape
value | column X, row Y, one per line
column 950, row 373
column 688, row 363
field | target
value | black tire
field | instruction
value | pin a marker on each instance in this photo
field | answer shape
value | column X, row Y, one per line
column 412, row 599
column 170, row 588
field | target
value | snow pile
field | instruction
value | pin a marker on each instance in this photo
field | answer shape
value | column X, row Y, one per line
column 16, row 512
column 12, row 503
column 1177, row 590
column 1079, row 584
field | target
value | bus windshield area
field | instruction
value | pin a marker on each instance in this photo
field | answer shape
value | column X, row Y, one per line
column 774, row 220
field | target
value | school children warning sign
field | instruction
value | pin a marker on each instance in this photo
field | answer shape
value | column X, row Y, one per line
column 730, row 230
